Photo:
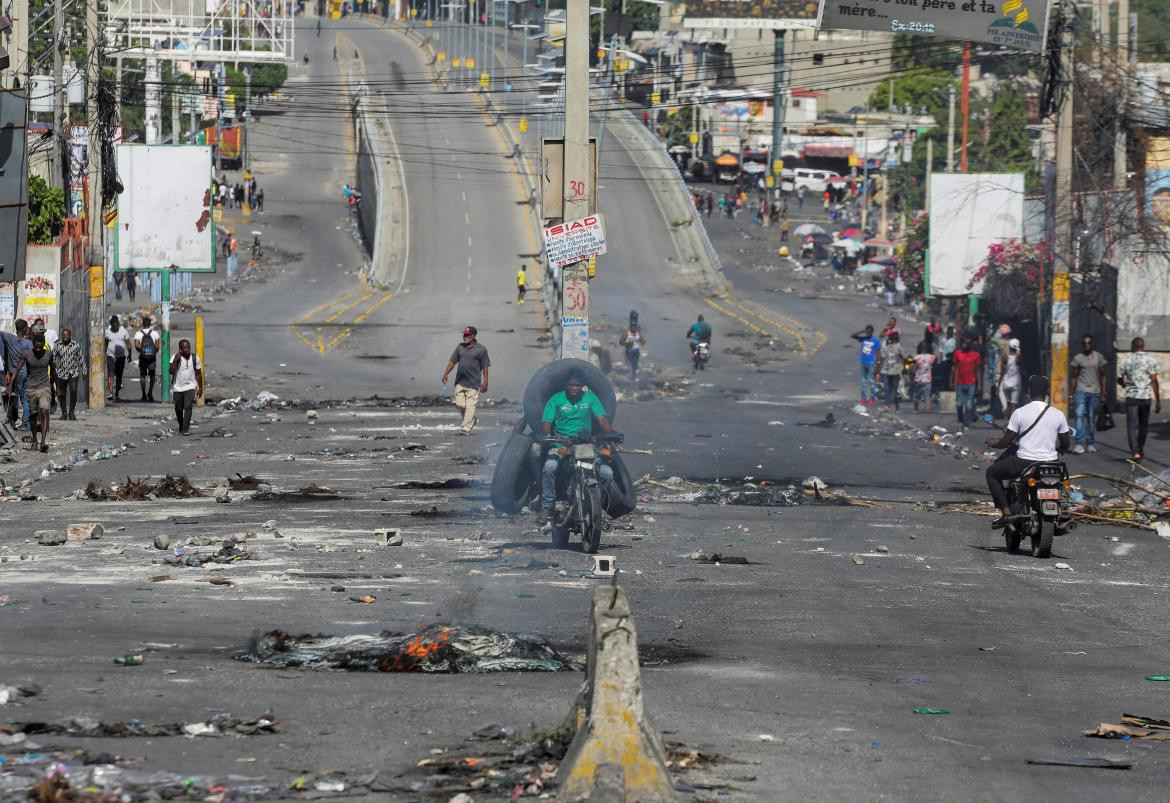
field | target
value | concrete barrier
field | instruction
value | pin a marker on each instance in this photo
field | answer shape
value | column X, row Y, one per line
column 616, row 753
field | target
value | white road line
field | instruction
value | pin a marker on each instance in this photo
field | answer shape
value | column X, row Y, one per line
column 467, row 218
column 463, row 193
column 469, row 241
column 469, row 260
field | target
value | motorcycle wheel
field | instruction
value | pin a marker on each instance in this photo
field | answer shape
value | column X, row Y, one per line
column 591, row 518
column 561, row 525
column 1012, row 537
column 1042, row 539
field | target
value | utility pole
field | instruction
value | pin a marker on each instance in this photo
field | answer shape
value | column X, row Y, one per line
column 17, row 45
column 220, row 94
column 777, row 106
column 1124, row 75
column 247, row 124
column 97, row 251
column 1064, row 240
column 951, row 128
column 966, row 110
column 60, row 125
column 176, row 114
column 153, row 92
column 576, row 189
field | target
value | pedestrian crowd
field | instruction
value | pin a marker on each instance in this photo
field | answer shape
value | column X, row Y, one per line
column 229, row 196
column 985, row 368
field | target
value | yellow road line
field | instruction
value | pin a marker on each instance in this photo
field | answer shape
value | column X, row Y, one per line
column 324, row 306
column 347, row 308
column 812, row 333
column 788, row 330
column 744, row 321
column 356, row 321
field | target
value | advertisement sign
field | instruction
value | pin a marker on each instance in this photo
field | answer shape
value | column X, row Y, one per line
column 1018, row 24
column 771, row 14
column 1157, row 190
column 574, row 240
column 78, row 161
column 968, row 213
column 38, row 298
column 7, row 306
column 575, row 337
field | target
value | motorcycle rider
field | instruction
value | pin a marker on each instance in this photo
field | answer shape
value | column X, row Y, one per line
column 700, row 332
column 569, row 413
column 1034, row 434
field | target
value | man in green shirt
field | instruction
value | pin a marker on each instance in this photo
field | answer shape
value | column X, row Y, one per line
column 569, row 413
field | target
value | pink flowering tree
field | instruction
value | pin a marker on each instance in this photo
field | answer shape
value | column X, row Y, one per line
column 1013, row 274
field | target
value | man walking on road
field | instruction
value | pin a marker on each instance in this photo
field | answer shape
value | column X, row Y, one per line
column 147, row 341
column 1087, row 381
column 870, row 349
column 471, row 379
column 186, row 384
column 68, row 363
column 14, row 346
column 1138, row 374
column 965, row 378
column 785, row 226
column 38, row 362
column 521, row 284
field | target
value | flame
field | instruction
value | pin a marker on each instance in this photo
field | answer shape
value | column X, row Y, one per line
column 417, row 650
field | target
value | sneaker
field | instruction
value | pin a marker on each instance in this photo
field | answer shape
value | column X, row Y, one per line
column 1090, row 448
column 1078, row 449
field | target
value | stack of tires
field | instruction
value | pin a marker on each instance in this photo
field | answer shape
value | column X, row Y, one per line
column 515, row 482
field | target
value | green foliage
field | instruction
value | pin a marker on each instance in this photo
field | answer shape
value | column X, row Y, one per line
column 266, row 78
column 678, row 128
column 925, row 89
column 1153, row 30
column 1007, row 148
column 46, row 211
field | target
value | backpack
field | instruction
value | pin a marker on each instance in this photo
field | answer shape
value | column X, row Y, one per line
column 148, row 347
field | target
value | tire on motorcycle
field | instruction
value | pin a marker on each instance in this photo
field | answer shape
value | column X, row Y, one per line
column 621, row 498
column 512, row 480
column 1012, row 537
column 551, row 379
column 591, row 518
column 1042, row 539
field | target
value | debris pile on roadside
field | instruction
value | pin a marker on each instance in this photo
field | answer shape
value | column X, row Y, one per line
column 219, row 725
column 437, row 648
column 1133, row 727
column 171, row 486
column 813, row 491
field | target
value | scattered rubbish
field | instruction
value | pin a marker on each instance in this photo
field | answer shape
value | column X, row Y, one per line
column 50, row 537
column 88, row 531
column 222, row 496
column 310, row 493
column 242, row 483
column 264, row 399
column 159, row 578
column 1086, row 761
column 433, row 513
column 18, row 692
column 858, row 560
column 437, row 648
column 220, row 581
column 859, row 409
column 1162, row 529
column 129, row 660
column 987, row 649
column 767, row 738
column 367, row 598
column 433, row 485
column 1135, row 727
column 815, row 483
column 603, row 566
column 169, row 487
column 1159, row 678
column 1062, row 566
column 219, row 725
column 388, row 537
column 924, row 710
column 883, row 548
column 311, row 415
column 717, row 559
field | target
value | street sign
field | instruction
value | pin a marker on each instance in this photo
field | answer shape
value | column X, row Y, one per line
column 767, row 14
column 523, row 125
column 552, row 184
column 777, row 166
column 574, row 240
column 1018, row 24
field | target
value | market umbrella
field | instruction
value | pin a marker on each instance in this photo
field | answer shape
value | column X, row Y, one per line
column 872, row 267
column 805, row 229
column 878, row 242
column 884, row 260
column 852, row 234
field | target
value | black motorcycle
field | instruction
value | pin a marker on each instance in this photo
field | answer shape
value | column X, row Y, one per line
column 578, row 507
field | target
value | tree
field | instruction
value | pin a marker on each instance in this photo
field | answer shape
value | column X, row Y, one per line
column 925, row 89
column 1007, row 147
column 46, row 211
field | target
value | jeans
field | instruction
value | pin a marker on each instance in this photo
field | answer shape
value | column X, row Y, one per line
column 1005, row 468
column 548, row 479
column 184, row 402
column 67, row 394
column 868, row 382
column 1086, row 416
column 965, row 403
column 891, row 383
column 1137, row 421
column 20, row 388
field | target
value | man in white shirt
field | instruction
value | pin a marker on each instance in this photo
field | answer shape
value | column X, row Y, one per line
column 1038, row 431
column 186, row 383
column 148, row 342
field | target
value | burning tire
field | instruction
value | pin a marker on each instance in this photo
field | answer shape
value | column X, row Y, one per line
column 621, row 498
column 512, row 481
column 551, row 379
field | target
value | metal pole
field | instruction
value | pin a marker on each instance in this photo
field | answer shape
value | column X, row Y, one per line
column 60, row 120
column 951, row 128
column 200, row 399
column 247, row 120
column 220, row 93
column 576, row 189
column 176, row 116
column 1120, row 143
column 966, row 104
column 97, row 274
column 507, row 40
column 1063, row 231
column 777, row 104
column 165, row 323
column 495, row 47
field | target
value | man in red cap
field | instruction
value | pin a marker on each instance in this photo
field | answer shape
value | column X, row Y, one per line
column 471, row 378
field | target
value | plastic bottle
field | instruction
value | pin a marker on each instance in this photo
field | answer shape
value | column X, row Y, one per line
column 443, row 390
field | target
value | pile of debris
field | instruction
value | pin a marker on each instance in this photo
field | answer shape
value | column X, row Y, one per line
column 813, row 491
column 169, row 487
column 219, row 725
column 437, row 648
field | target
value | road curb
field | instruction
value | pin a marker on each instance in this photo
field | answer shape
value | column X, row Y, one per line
column 615, row 745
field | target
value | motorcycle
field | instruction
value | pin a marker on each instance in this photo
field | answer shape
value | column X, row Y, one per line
column 1038, row 498
column 701, row 355
column 578, row 507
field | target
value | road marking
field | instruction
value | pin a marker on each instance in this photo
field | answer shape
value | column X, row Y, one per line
column 463, row 193
column 469, row 260
column 466, row 219
column 818, row 337
column 775, row 322
column 469, row 241
column 344, row 333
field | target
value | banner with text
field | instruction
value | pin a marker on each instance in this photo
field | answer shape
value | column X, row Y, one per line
column 1018, row 24
column 768, row 14
column 574, row 240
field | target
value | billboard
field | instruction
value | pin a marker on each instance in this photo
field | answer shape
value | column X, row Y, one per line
column 773, row 14
column 1018, row 24
column 164, row 216
column 969, row 212
column 1157, row 189
column 13, row 184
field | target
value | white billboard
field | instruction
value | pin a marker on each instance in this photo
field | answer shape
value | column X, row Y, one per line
column 165, row 212
column 969, row 212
